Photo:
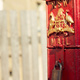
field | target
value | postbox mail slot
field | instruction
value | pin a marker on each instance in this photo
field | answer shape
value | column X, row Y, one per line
column 64, row 47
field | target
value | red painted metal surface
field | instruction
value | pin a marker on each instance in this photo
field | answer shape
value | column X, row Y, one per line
column 69, row 55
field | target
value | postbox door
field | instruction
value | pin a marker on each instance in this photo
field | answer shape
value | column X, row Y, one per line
column 63, row 39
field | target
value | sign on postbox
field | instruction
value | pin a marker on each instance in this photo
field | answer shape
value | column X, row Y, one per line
column 63, row 39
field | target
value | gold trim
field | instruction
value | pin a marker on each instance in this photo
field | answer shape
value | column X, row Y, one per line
column 59, row 23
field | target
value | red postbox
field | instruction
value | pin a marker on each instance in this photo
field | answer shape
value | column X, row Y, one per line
column 63, row 37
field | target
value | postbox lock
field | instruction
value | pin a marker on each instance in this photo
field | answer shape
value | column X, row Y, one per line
column 57, row 72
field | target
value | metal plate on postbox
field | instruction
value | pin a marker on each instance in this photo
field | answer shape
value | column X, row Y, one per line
column 60, row 23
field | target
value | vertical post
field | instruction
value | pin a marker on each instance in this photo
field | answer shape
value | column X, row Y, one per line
column 26, row 55
column 14, row 45
column 44, row 43
column 35, row 64
column 4, row 46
